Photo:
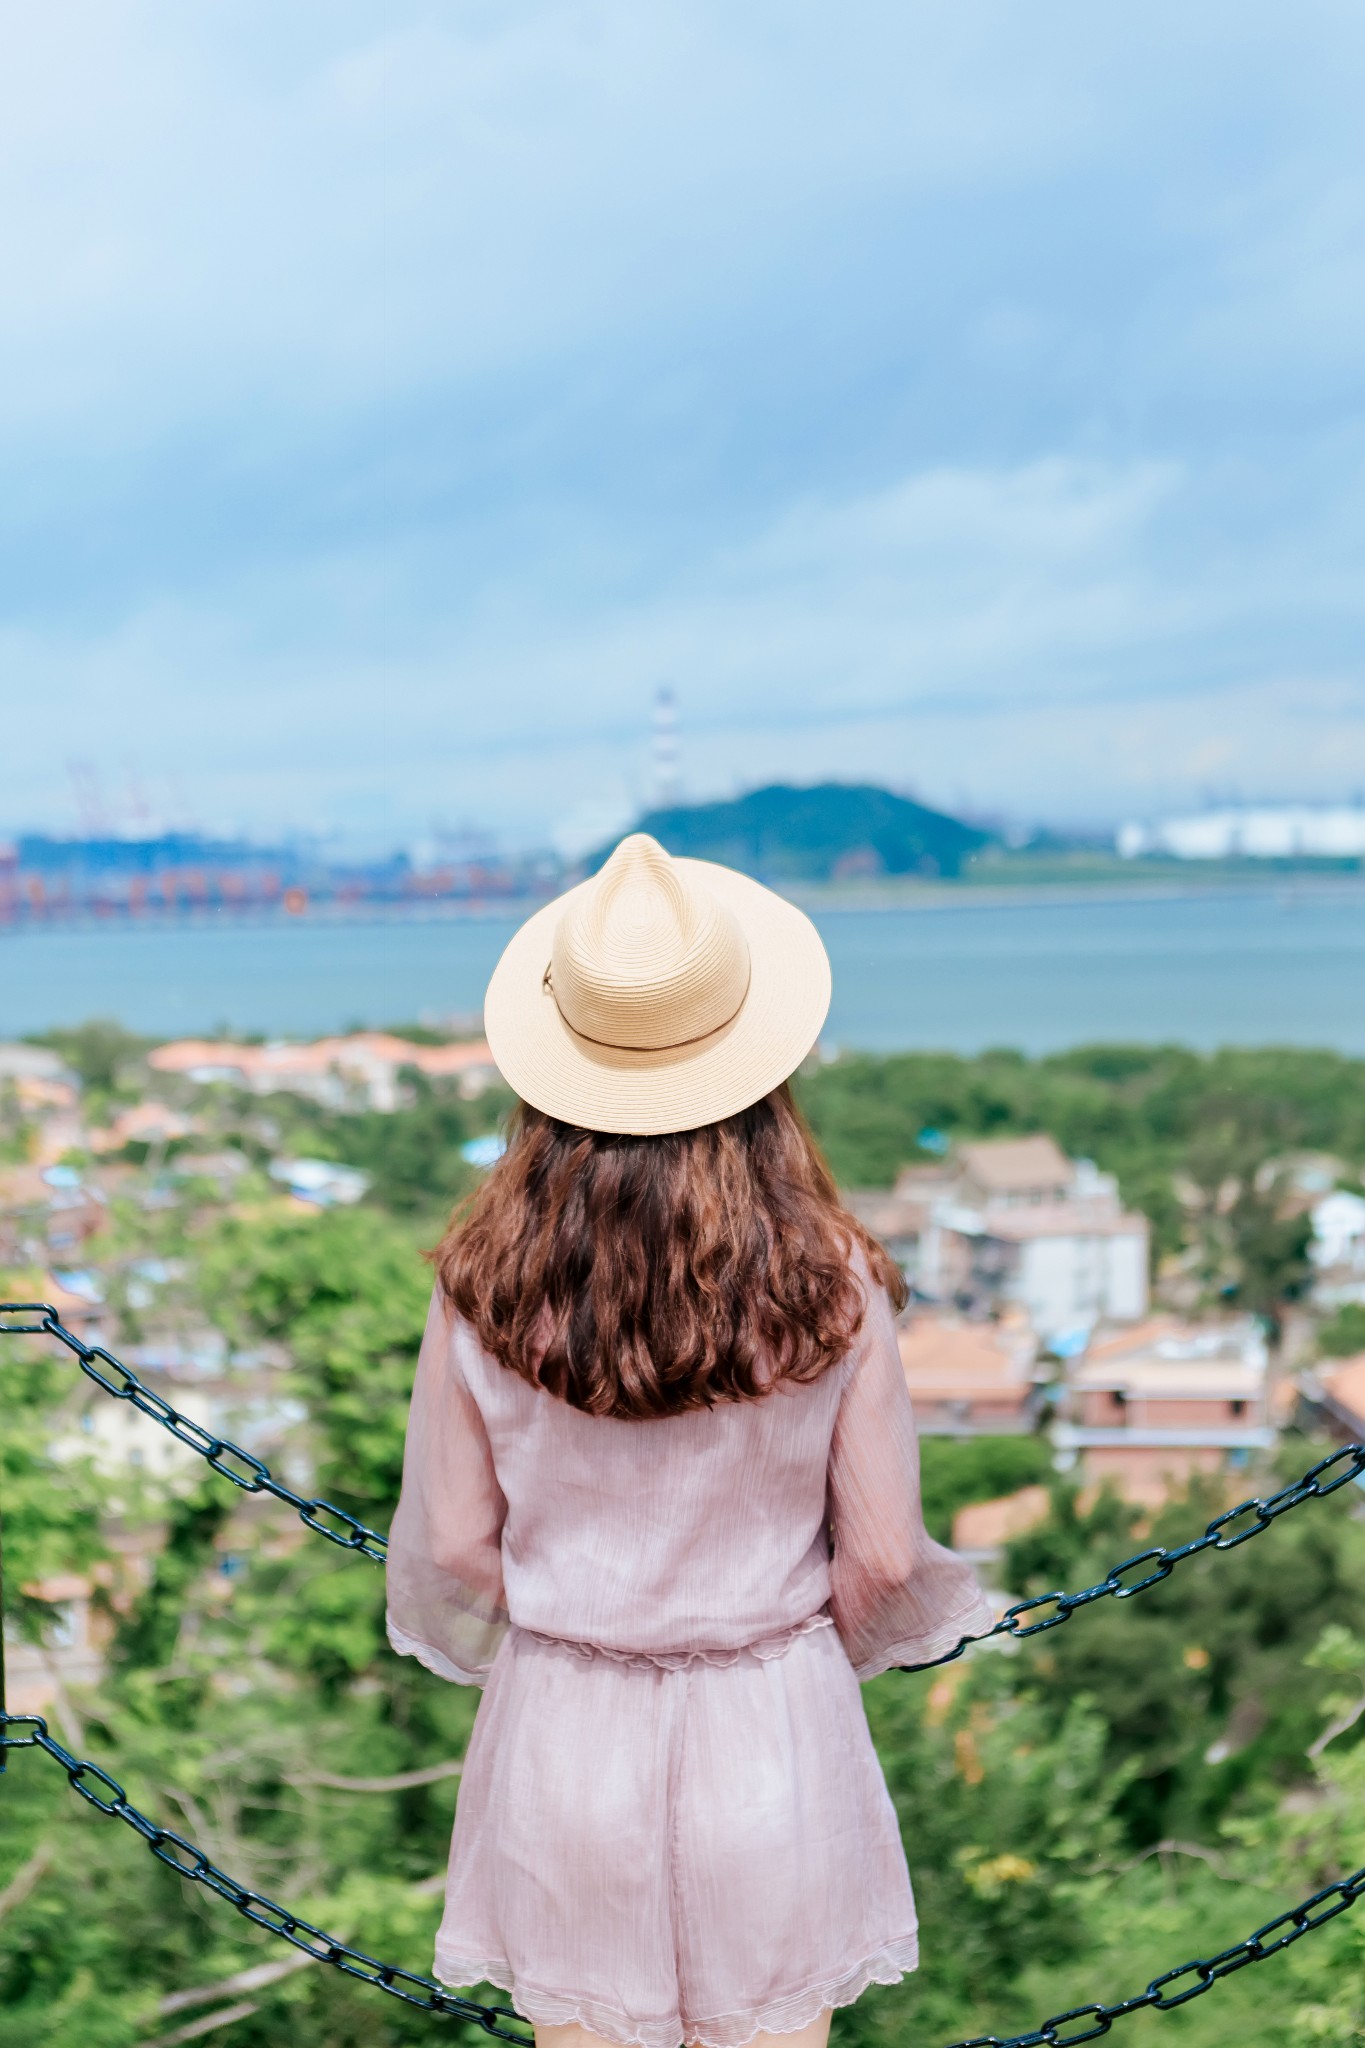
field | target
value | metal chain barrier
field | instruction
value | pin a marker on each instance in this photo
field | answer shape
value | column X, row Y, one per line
column 1225, row 1532
column 1085, row 2022
column 252, row 1475
column 188, row 1861
column 249, row 1473
column 1167, row 1991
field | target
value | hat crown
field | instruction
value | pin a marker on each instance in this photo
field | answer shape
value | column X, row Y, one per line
column 647, row 958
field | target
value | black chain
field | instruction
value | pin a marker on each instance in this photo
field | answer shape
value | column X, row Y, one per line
column 1167, row 1991
column 106, row 1794
column 249, row 1473
column 1163, row 1994
column 1237, row 1525
column 253, row 1475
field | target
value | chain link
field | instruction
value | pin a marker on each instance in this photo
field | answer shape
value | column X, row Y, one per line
column 245, row 1471
column 190, row 1862
column 1338, row 1469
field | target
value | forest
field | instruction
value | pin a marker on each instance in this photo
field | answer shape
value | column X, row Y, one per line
column 1081, row 1811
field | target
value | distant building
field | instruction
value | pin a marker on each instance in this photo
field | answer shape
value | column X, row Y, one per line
column 171, row 874
column 30, row 1062
column 1338, row 1247
column 333, row 1071
column 321, row 1183
column 1145, row 1409
column 71, row 1653
column 897, row 1221
column 145, row 1123
column 1015, row 1223
column 1252, row 832
column 1334, row 1391
column 982, row 1529
column 969, row 1378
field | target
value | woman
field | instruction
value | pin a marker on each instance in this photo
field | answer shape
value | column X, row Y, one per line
column 661, row 1493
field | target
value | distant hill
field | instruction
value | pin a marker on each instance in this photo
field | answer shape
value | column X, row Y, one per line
column 835, row 831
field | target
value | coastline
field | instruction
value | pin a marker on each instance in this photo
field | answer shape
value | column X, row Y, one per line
column 888, row 893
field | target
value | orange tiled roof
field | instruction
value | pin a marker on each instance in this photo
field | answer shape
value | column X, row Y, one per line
column 1345, row 1383
column 947, row 1358
column 358, row 1049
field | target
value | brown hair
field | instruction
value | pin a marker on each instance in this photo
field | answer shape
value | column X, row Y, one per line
column 646, row 1276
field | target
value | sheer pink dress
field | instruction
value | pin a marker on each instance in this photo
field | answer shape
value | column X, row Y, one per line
column 672, row 1823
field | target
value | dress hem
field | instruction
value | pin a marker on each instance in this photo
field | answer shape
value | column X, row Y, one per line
column 886, row 1965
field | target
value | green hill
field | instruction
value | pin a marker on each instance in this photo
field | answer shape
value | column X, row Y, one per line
column 834, row 831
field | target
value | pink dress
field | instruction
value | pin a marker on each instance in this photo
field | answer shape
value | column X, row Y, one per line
column 672, row 1823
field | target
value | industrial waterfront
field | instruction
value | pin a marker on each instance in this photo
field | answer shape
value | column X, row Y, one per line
column 1279, row 964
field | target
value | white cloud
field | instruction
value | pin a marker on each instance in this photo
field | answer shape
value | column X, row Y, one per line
column 393, row 395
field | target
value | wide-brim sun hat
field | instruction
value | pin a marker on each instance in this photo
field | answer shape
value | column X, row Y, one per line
column 658, row 996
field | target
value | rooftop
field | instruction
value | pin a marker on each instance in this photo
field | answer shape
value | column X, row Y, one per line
column 886, row 1215
column 949, row 1358
column 359, row 1050
column 1008, row 1166
column 1064, row 1219
column 1343, row 1382
column 1168, row 1359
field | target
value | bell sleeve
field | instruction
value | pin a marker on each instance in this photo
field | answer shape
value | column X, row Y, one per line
column 446, row 1604
column 897, row 1597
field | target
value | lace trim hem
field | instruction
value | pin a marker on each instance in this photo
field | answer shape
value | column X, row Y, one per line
column 886, row 1965
column 974, row 1620
column 434, row 1660
column 765, row 1649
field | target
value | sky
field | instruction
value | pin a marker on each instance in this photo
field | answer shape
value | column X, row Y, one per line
column 394, row 397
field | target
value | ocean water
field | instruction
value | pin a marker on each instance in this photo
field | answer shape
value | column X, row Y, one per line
column 1273, row 965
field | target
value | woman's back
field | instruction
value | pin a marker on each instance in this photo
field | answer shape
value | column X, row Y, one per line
column 661, row 1492
column 693, row 1533
column 701, row 1534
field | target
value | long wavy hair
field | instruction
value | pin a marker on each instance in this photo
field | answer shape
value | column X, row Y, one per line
column 642, row 1277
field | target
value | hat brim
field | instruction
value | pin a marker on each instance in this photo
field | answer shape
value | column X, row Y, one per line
column 644, row 1094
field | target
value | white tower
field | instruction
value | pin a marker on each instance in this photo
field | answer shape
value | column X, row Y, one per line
column 665, row 750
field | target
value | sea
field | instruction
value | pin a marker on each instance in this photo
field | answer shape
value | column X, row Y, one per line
column 1280, row 964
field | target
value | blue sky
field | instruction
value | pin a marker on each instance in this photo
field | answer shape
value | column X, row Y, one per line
column 392, row 397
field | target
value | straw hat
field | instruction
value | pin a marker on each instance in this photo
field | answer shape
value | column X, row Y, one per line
column 658, row 996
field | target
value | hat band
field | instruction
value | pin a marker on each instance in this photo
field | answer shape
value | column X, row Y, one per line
column 674, row 1045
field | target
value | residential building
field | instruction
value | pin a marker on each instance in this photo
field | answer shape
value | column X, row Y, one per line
column 897, row 1221
column 1334, row 1391
column 143, row 1123
column 1016, row 1223
column 365, row 1066
column 969, row 1378
column 39, row 1078
column 72, row 1650
column 1338, row 1247
column 982, row 1529
column 320, row 1183
column 1146, row 1408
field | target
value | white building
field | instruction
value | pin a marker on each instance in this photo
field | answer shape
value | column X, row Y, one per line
column 1339, row 1231
column 1019, row 1224
column 1253, row 832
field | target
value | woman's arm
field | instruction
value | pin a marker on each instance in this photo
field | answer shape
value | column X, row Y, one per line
column 445, row 1594
column 897, row 1596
